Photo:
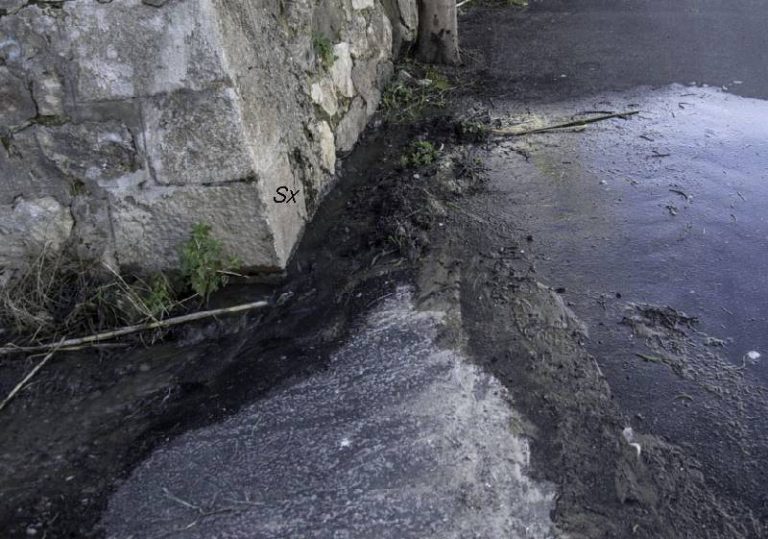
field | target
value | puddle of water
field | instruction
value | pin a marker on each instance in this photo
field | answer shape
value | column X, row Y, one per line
column 667, row 208
column 396, row 438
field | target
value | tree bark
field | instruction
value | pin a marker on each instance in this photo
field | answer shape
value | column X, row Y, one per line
column 438, row 32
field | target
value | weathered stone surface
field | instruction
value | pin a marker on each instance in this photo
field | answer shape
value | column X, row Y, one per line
column 90, row 151
column 29, row 226
column 327, row 146
column 380, row 37
column 11, row 5
column 356, row 35
column 27, row 172
column 143, row 117
column 151, row 225
column 275, row 105
column 341, row 70
column 351, row 125
column 48, row 94
column 324, row 94
column 27, row 38
column 127, row 49
column 362, row 4
column 92, row 232
column 196, row 138
column 16, row 98
column 365, row 75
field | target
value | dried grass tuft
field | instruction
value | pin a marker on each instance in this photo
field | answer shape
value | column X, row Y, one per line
column 56, row 295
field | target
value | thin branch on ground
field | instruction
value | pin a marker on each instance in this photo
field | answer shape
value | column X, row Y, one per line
column 128, row 330
column 575, row 123
column 27, row 378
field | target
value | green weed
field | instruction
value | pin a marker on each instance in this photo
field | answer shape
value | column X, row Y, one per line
column 471, row 131
column 323, row 50
column 421, row 153
column 409, row 97
column 203, row 263
column 157, row 296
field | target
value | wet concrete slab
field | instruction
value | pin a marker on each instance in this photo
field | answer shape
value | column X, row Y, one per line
column 398, row 437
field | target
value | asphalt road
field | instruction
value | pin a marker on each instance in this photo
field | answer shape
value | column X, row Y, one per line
column 557, row 49
column 663, row 209
column 660, row 209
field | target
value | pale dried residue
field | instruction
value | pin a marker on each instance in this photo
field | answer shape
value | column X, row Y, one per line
column 488, row 462
column 397, row 438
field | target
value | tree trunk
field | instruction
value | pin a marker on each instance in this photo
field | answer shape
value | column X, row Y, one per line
column 438, row 32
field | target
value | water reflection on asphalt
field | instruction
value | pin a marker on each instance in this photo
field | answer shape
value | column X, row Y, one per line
column 667, row 207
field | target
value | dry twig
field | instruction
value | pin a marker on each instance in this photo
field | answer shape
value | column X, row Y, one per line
column 128, row 330
column 27, row 378
column 574, row 123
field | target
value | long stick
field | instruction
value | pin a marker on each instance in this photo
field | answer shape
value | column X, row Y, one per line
column 135, row 329
column 26, row 379
column 575, row 123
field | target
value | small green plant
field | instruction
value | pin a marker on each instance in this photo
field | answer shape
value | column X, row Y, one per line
column 158, row 296
column 203, row 264
column 421, row 153
column 415, row 90
column 137, row 300
column 438, row 80
column 472, row 131
column 400, row 101
column 324, row 50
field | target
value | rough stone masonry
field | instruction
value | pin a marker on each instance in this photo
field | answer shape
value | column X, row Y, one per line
column 124, row 122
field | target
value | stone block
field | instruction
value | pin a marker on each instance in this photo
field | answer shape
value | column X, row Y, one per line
column 327, row 146
column 362, row 4
column 351, row 125
column 409, row 16
column 341, row 70
column 196, row 137
column 380, row 37
column 151, row 225
column 323, row 93
column 356, row 35
column 48, row 93
column 127, row 49
column 90, row 151
column 28, row 226
column 366, row 78
column 16, row 98
column 27, row 172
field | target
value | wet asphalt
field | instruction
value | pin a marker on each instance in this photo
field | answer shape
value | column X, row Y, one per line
column 664, row 208
column 557, row 49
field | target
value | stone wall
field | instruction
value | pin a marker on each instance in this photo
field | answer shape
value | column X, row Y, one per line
column 124, row 122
